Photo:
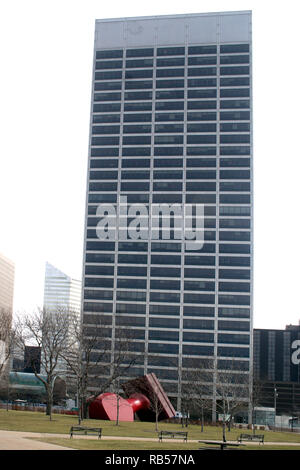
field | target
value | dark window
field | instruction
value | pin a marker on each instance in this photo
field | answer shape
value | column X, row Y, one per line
column 137, row 140
column 104, row 270
column 131, row 308
column 164, row 151
column 200, row 162
column 163, row 335
column 242, row 70
column 138, row 74
column 234, row 162
column 201, row 116
column 104, row 163
column 108, row 86
column 235, row 81
column 235, row 104
column 147, row 106
column 105, row 130
column 135, row 163
column 113, row 75
column 137, row 117
column 136, row 151
column 170, row 62
column 102, row 198
column 201, row 151
column 134, row 186
column 99, row 282
column 138, row 95
column 234, row 312
column 233, row 352
column 140, row 52
column 155, row 247
column 163, row 186
column 109, row 64
column 234, row 223
column 210, row 127
column 229, row 48
column 168, row 174
column 234, row 287
column 171, row 297
column 234, row 248
column 168, row 139
column 131, row 295
column 234, row 299
column 133, row 246
column 192, row 350
column 135, row 259
column 107, row 152
column 234, row 325
column 106, row 107
column 169, row 117
column 233, row 338
column 235, row 174
column 112, row 54
column 199, row 273
column 189, row 310
column 212, row 60
column 98, row 294
column 200, row 260
column 138, row 84
column 235, row 59
column 107, row 96
column 97, row 307
column 168, row 162
column 202, row 93
column 137, row 129
column 202, row 49
column 235, row 138
column 98, row 118
column 165, row 272
column 170, row 95
column 139, row 63
column 167, row 198
column 234, row 92
column 165, row 51
column 234, row 261
column 100, row 258
column 201, row 139
column 193, row 337
column 201, row 71
column 169, row 73
column 160, row 128
column 234, row 127
column 235, row 150
column 202, row 104
column 135, row 175
column 234, row 115
column 236, row 211
column 164, row 310
column 235, row 186
column 164, row 285
column 163, row 348
column 199, row 286
column 234, row 273
column 202, row 82
column 105, row 141
column 235, row 199
column 169, row 83
column 203, row 186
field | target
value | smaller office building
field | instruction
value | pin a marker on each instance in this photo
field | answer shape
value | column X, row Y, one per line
column 276, row 367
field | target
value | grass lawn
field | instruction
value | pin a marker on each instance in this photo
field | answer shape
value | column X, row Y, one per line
column 60, row 424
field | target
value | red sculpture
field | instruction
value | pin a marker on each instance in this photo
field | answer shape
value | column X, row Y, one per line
column 108, row 405
column 145, row 394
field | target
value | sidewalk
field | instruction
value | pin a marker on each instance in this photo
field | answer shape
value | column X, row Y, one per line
column 13, row 440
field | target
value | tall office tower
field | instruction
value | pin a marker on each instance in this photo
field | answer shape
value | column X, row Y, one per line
column 7, row 280
column 61, row 291
column 171, row 124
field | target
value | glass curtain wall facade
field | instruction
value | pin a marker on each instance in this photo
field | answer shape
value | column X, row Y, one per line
column 171, row 123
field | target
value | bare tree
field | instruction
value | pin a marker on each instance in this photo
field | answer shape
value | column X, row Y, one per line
column 232, row 393
column 7, row 339
column 49, row 330
column 93, row 358
column 196, row 388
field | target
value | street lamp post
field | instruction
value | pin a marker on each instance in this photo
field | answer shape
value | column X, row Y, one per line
column 275, row 402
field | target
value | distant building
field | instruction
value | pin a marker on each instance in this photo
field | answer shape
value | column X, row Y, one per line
column 7, row 279
column 276, row 363
column 61, row 290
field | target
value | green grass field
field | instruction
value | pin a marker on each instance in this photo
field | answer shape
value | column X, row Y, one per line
column 60, row 424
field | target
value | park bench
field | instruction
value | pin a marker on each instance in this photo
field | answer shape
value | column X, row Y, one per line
column 85, row 431
column 172, row 434
column 251, row 437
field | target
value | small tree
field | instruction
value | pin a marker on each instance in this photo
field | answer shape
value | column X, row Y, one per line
column 232, row 393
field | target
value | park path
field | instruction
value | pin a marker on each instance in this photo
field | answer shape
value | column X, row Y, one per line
column 21, row 440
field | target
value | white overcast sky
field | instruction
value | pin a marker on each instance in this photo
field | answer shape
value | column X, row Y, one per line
column 46, row 76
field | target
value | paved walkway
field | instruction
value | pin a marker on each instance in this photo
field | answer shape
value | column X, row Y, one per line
column 13, row 440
